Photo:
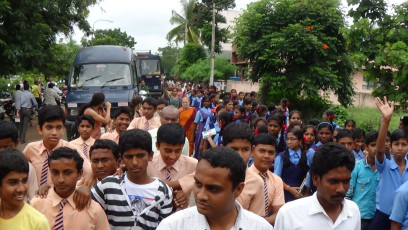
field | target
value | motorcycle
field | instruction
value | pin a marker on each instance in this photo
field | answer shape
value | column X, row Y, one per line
column 6, row 105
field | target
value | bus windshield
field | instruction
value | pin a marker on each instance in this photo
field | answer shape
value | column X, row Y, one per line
column 150, row 67
column 101, row 75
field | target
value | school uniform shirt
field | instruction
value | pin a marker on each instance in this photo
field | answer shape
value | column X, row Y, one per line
column 183, row 166
column 113, row 136
column 112, row 195
column 27, row 218
column 390, row 180
column 363, row 187
column 252, row 196
column 35, row 152
column 32, row 183
column 308, row 214
column 191, row 219
column 294, row 157
column 140, row 123
column 310, row 153
column 275, row 188
column 199, row 117
column 79, row 143
column 92, row 217
column 399, row 212
column 359, row 156
column 184, row 151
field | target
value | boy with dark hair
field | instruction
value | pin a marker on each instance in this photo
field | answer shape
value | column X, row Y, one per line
column 331, row 172
column 358, row 135
column 345, row 138
column 104, row 156
column 121, row 119
column 364, row 182
column 264, row 153
column 15, row 213
column 84, row 142
column 239, row 136
column 66, row 169
column 161, row 103
column 135, row 200
column 403, row 122
column 394, row 171
column 219, row 180
column 170, row 164
column 9, row 139
column 148, row 121
column 51, row 120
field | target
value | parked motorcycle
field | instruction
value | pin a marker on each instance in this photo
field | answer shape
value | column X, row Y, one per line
column 6, row 105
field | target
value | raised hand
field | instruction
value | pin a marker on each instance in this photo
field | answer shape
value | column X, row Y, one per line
column 386, row 108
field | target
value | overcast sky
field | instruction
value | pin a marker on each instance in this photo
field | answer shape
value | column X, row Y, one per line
column 146, row 20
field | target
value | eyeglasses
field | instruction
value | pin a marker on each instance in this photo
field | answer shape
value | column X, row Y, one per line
column 102, row 160
column 292, row 139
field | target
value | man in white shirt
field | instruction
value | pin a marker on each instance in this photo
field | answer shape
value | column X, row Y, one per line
column 219, row 180
column 326, row 209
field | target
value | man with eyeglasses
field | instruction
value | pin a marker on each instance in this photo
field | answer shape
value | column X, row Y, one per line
column 104, row 155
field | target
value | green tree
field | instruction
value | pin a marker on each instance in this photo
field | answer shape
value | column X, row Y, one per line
column 169, row 56
column 28, row 30
column 59, row 63
column 189, row 55
column 203, row 19
column 378, row 47
column 185, row 31
column 110, row 37
column 295, row 49
column 200, row 71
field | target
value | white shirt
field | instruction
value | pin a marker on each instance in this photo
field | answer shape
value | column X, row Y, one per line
column 308, row 214
column 191, row 219
column 186, row 148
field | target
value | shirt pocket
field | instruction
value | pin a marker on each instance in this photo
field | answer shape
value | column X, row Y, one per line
column 363, row 184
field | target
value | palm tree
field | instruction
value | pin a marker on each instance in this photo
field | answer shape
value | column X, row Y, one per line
column 184, row 31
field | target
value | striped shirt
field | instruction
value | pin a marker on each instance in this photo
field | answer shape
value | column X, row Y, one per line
column 110, row 193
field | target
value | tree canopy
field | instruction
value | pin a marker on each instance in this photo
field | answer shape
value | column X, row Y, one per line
column 110, row 37
column 295, row 48
column 169, row 56
column 200, row 71
column 190, row 54
column 28, row 30
column 378, row 46
column 185, row 30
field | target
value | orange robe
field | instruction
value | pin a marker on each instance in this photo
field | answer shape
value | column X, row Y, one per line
column 187, row 121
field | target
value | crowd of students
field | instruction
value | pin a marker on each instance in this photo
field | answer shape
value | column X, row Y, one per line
column 248, row 166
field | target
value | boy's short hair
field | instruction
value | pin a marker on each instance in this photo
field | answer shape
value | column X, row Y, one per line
column 150, row 101
column 8, row 130
column 264, row 139
column 371, row 137
column 171, row 133
column 105, row 144
column 86, row 117
column 330, row 156
column 135, row 138
column 342, row 133
column 404, row 120
column 358, row 133
column 49, row 113
column 235, row 131
column 121, row 110
column 12, row 160
column 223, row 157
column 68, row 153
column 399, row 134
column 247, row 101
column 314, row 122
column 162, row 101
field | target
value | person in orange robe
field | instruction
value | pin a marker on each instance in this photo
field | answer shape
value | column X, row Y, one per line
column 187, row 115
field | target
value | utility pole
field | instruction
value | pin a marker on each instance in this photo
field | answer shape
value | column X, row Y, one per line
column 212, row 47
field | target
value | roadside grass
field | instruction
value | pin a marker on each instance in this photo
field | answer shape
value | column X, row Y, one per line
column 369, row 118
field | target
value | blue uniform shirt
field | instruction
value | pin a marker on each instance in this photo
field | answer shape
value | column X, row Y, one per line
column 310, row 153
column 390, row 180
column 294, row 157
column 363, row 187
column 359, row 156
column 400, row 208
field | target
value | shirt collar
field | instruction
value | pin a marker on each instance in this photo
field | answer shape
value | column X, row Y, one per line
column 393, row 164
column 292, row 152
column 316, row 208
column 56, row 199
column 90, row 141
column 238, row 221
column 255, row 170
column 163, row 165
column 43, row 148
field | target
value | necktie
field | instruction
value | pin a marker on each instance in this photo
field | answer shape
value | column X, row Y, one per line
column 44, row 171
column 168, row 176
column 85, row 150
column 59, row 220
column 147, row 126
column 263, row 175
